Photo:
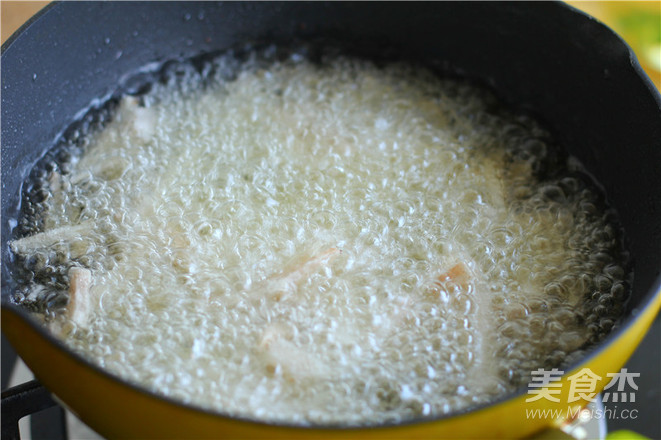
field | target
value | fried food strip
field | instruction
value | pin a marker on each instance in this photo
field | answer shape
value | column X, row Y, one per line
column 464, row 283
column 284, row 284
column 80, row 280
column 55, row 182
column 28, row 245
column 295, row 363
column 142, row 119
column 458, row 275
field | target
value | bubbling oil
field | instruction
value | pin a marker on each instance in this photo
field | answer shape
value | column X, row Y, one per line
column 206, row 204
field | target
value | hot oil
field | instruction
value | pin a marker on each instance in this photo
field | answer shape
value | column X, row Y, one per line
column 276, row 244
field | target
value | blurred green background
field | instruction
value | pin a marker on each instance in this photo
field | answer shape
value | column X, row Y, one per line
column 638, row 23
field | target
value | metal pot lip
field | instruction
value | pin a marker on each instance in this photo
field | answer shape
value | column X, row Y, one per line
column 645, row 304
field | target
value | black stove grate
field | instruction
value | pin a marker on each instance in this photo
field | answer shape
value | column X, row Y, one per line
column 48, row 418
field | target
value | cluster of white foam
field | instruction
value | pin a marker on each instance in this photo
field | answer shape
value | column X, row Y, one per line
column 203, row 197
